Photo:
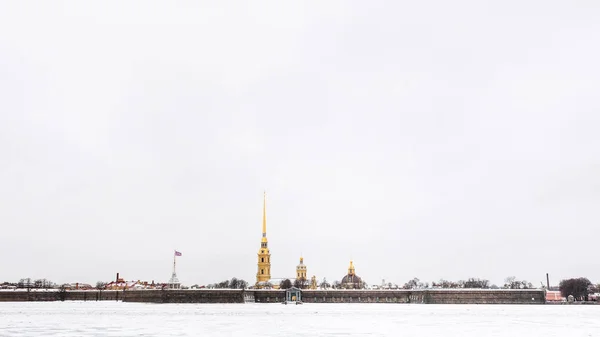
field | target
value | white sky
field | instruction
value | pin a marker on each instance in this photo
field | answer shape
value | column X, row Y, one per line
column 427, row 139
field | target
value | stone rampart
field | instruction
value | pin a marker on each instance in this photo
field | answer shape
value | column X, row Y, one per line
column 185, row 296
column 485, row 296
column 53, row 295
column 427, row 296
column 269, row 296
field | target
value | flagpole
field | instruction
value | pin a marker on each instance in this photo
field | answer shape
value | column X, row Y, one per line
column 174, row 256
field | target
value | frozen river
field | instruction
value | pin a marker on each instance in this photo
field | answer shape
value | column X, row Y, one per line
column 136, row 319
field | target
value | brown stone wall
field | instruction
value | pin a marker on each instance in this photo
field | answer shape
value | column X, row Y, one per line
column 269, row 296
column 431, row 296
column 487, row 296
column 75, row 295
column 355, row 296
column 437, row 296
column 185, row 296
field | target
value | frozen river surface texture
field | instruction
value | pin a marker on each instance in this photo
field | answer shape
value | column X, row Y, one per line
column 134, row 319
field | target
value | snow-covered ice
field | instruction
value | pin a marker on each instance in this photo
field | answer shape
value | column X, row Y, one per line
column 136, row 319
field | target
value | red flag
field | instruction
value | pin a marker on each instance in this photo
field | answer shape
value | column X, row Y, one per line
column 177, row 253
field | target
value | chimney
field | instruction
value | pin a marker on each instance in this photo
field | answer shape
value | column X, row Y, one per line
column 117, row 278
column 548, row 281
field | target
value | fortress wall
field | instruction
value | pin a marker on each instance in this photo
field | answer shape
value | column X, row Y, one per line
column 487, row 296
column 185, row 296
column 73, row 295
column 268, row 296
column 22, row 296
column 430, row 296
column 356, row 296
column 437, row 296
column 94, row 295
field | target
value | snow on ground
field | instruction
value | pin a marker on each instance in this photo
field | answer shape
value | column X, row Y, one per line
column 71, row 319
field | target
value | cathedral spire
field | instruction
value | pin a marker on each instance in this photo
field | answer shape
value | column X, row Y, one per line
column 263, row 274
column 264, row 225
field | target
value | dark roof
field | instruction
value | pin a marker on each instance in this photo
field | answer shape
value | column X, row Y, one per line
column 351, row 279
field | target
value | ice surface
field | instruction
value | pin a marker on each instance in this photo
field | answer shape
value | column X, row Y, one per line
column 71, row 319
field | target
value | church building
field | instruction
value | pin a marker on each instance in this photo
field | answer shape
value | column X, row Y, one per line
column 263, row 274
column 301, row 270
column 351, row 280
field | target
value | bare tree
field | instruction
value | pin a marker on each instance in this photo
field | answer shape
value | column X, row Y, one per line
column 25, row 283
column 223, row 285
column 242, row 284
column 234, row 283
column 512, row 283
column 285, row 284
column 412, row 284
column 446, row 284
column 476, row 283
column 578, row 287
column 324, row 284
column 301, row 283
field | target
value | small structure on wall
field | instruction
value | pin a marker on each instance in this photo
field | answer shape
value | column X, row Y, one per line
column 174, row 281
column 313, row 282
column 293, row 295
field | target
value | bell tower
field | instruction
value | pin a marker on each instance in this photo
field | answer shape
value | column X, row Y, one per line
column 264, row 256
column 301, row 270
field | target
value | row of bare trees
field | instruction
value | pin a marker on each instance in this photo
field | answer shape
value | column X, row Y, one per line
column 28, row 283
column 471, row 283
column 301, row 283
column 234, row 283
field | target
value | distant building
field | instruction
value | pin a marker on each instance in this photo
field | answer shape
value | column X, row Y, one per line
column 79, row 286
column 554, row 296
column 351, row 280
column 301, row 269
column 263, row 275
column 121, row 284
column 174, row 282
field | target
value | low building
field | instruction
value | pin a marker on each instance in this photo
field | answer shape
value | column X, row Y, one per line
column 121, row 284
column 80, row 286
column 554, row 296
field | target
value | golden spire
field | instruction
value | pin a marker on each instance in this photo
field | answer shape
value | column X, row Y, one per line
column 264, row 227
column 351, row 268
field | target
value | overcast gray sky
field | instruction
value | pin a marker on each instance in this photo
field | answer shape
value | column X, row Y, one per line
column 429, row 139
